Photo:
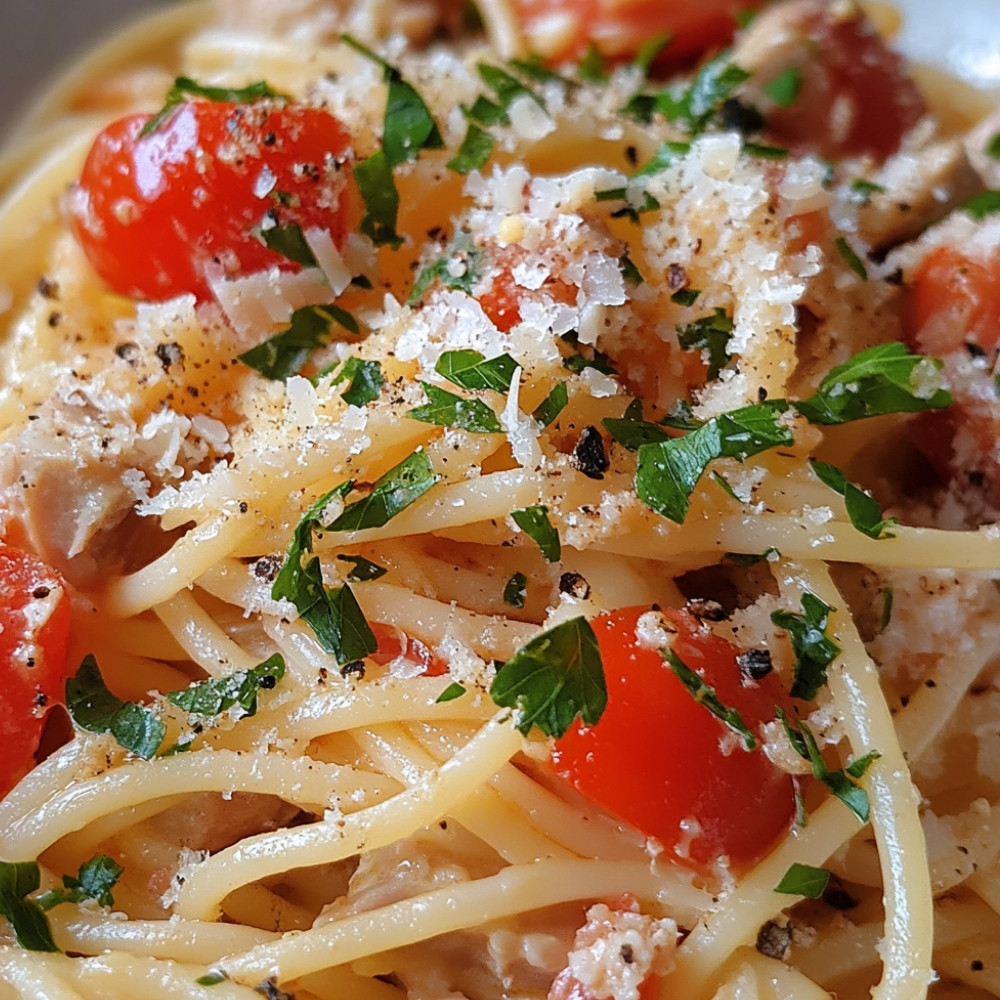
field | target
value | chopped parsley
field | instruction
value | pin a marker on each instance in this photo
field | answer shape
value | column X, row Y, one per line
column 668, row 471
column 287, row 352
column 459, row 267
column 469, row 369
column 840, row 782
column 633, row 433
column 709, row 334
column 392, row 492
column 474, row 152
column 378, row 191
column 515, row 590
column 992, row 148
column 699, row 104
column 184, row 87
column 94, row 881
column 804, row 880
column 450, row 693
column 864, row 190
column 785, row 87
column 448, row 410
column 94, row 708
column 706, row 695
column 238, row 689
column 851, row 258
column 685, row 296
column 288, row 240
column 981, row 206
column 814, row 649
column 26, row 917
column 364, row 569
column 554, row 678
column 507, row 88
column 863, row 509
column 364, row 381
column 554, row 403
column 535, row 523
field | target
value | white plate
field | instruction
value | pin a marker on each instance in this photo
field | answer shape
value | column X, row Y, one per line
column 39, row 36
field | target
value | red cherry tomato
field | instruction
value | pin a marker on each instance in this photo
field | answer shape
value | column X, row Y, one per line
column 394, row 643
column 953, row 312
column 659, row 760
column 156, row 213
column 34, row 634
column 854, row 96
column 563, row 30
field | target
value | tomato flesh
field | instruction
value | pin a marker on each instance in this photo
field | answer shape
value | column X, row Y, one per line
column 34, row 635
column 157, row 214
column 854, row 96
column 660, row 761
column 562, row 30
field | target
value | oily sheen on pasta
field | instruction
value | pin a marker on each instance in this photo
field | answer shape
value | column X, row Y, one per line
column 500, row 502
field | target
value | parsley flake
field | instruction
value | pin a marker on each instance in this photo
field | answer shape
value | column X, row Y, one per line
column 469, row 369
column 863, row 509
column 364, row 569
column 535, row 523
column 709, row 334
column 803, row 880
column 448, row 410
column 553, row 678
column 184, row 87
column 94, row 708
column 515, row 590
column 851, row 258
column 364, row 381
column 94, row 881
column 554, row 403
column 814, row 649
column 288, row 240
column 450, row 693
column 785, row 87
column 26, row 917
column 240, row 688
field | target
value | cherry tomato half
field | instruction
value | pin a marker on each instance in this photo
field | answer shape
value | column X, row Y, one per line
column 563, row 30
column 659, row 760
column 34, row 634
column 156, row 213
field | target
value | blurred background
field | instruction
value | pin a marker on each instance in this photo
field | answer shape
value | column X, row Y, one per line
column 39, row 37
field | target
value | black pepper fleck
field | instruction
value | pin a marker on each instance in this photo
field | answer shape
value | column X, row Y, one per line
column 589, row 456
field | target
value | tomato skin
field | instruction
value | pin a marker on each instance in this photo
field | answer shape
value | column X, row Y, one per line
column 563, row 30
column 854, row 97
column 34, row 635
column 394, row 643
column 654, row 758
column 155, row 213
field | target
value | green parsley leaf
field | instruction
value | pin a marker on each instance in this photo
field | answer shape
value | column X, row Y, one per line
column 219, row 694
column 681, row 417
column 469, row 369
column 785, row 87
column 184, row 87
column 865, row 189
column 211, row 979
column 474, row 152
column 27, row 918
column 535, row 523
column 506, row 87
column 515, row 590
column 378, row 191
column 95, row 880
column 392, row 492
column 706, row 695
column 685, row 297
column 408, row 125
column 697, row 105
column 651, row 49
column 364, row 569
column 338, row 622
column 804, row 880
column 364, row 378
column 589, row 357
column 744, row 18
column 992, row 148
column 630, row 272
column 534, row 68
column 839, row 782
column 752, row 559
column 852, row 260
column 859, row 768
column 668, row 471
column 553, row 404
column 883, row 379
column 288, row 240
column 863, row 509
column 763, row 152
column 450, row 693
column 710, row 334
column 633, row 434
column 287, row 352
column 448, row 410
column 459, row 268
column 665, row 157
column 593, row 67
column 814, row 649
column 554, row 678
column 485, row 112
column 981, row 206
column 94, row 708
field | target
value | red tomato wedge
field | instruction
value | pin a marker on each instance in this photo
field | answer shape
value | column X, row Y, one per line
column 562, row 30
column 157, row 213
column 660, row 761
column 34, row 634
column 394, row 643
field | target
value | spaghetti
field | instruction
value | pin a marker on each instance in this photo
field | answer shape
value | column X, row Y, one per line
column 455, row 411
